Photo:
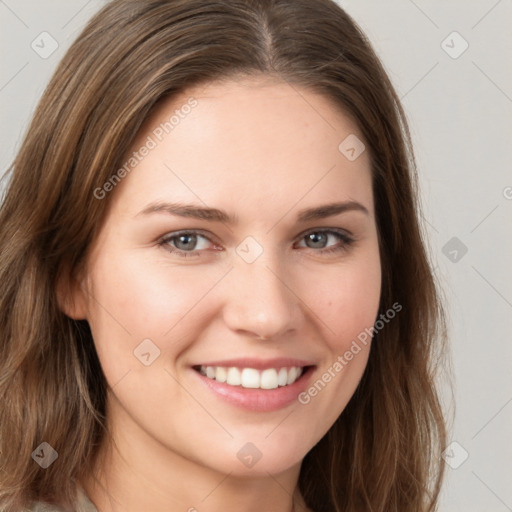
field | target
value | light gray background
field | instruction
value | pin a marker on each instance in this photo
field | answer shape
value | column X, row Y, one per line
column 460, row 111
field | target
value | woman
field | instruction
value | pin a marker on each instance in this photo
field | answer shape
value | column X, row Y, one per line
column 169, row 344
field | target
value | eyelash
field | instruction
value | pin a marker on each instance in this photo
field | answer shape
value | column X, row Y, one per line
column 164, row 242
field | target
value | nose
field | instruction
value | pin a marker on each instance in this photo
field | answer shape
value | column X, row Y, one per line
column 260, row 301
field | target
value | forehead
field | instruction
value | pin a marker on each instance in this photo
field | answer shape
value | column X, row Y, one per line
column 247, row 140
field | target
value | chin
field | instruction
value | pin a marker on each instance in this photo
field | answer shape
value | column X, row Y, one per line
column 256, row 456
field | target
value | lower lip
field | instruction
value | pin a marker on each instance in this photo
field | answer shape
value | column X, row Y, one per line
column 258, row 400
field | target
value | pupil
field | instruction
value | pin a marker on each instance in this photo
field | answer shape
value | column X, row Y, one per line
column 187, row 244
column 317, row 238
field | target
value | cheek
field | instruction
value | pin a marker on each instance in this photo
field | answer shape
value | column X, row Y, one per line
column 133, row 299
column 347, row 300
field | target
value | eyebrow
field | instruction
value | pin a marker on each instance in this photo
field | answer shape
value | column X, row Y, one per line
column 216, row 215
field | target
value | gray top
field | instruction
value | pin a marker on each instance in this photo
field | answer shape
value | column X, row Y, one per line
column 83, row 504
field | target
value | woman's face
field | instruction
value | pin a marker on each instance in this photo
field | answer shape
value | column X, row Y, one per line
column 220, row 255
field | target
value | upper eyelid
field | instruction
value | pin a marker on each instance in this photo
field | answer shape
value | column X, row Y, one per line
column 339, row 231
column 175, row 234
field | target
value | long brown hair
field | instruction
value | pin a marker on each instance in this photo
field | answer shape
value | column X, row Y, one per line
column 383, row 452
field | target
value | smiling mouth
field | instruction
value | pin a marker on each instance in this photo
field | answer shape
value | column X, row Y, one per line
column 251, row 378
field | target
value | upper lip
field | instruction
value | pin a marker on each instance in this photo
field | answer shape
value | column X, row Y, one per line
column 259, row 364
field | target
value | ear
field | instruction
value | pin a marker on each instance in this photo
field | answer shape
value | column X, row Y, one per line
column 71, row 296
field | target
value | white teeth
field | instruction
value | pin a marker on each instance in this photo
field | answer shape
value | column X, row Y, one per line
column 282, row 378
column 220, row 374
column 292, row 374
column 250, row 378
column 270, row 378
column 234, row 377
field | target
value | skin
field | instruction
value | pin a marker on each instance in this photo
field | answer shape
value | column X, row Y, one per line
column 262, row 150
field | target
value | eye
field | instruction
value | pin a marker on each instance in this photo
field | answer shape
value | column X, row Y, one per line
column 184, row 243
column 318, row 240
column 188, row 243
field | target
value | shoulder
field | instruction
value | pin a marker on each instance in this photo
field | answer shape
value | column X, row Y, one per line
column 83, row 504
column 41, row 506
